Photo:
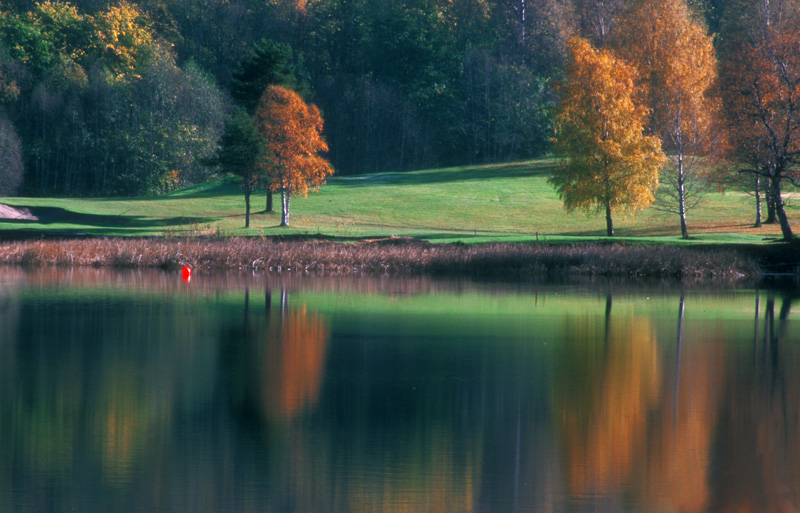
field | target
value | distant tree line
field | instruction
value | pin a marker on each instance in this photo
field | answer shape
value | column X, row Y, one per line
column 99, row 103
column 103, row 97
column 120, row 98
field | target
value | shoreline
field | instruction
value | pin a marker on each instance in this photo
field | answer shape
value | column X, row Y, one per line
column 408, row 257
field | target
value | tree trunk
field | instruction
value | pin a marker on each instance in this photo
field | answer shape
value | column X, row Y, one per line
column 684, row 229
column 269, row 207
column 288, row 196
column 284, row 207
column 758, row 202
column 609, row 222
column 682, row 199
column 247, row 208
column 777, row 200
column 770, row 197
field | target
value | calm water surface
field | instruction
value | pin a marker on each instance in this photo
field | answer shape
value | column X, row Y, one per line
column 133, row 392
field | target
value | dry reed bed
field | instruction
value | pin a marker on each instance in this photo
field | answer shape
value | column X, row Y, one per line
column 386, row 256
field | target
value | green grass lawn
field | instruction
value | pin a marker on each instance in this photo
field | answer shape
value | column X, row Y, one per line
column 501, row 202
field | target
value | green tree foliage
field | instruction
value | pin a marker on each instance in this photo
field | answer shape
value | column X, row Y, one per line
column 392, row 77
column 10, row 159
column 507, row 109
column 403, row 83
column 269, row 63
column 608, row 163
column 241, row 152
column 70, row 33
column 103, row 107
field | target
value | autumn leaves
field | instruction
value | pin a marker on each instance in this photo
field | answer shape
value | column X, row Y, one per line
column 609, row 163
column 626, row 107
column 279, row 147
column 292, row 134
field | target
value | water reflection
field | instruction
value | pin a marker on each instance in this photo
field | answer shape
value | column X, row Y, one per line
column 124, row 395
column 610, row 380
column 292, row 360
column 758, row 443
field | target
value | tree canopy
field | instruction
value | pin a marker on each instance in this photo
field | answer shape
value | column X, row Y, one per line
column 608, row 163
column 292, row 134
column 269, row 63
column 677, row 68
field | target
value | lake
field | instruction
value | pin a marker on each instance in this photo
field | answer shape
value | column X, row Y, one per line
column 136, row 391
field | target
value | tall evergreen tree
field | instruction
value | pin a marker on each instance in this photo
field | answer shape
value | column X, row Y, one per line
column 269, row 63
column 240, row 152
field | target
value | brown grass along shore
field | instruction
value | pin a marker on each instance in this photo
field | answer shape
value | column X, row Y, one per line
column 394, row 256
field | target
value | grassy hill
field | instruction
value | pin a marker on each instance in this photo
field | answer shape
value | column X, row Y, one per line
column 505, row 202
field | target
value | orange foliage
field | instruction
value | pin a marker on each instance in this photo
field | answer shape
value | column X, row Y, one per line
column 675, row 476
column 294, row 363
column 677, row 66
column 763, row 95
column 292, row 131
column 609, row 163
column 604, row 424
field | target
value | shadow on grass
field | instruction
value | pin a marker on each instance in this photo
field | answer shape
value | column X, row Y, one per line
column 56, row 215
column 214, row 188
column 495, row 171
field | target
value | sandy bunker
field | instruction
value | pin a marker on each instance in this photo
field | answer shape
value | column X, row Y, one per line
column 9, row 212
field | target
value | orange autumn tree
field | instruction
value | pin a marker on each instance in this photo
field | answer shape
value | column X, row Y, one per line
column 292, row 133
column 761, row 90
column 608, row 163
column 677, row 67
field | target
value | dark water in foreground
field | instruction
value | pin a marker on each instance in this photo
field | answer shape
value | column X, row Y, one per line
column 138, row 392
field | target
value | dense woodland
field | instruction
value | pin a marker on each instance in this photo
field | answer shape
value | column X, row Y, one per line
column 119, row 98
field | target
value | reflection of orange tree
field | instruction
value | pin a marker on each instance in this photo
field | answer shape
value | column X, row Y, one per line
column 293, row 362
column 675, row 476
column 431, row 473
column 607, row 383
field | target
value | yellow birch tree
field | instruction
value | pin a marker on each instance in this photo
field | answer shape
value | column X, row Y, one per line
column 607, row 162
column 677, row 67
column 292, row 132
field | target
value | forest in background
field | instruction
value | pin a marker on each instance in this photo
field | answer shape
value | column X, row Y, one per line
column 119, row 98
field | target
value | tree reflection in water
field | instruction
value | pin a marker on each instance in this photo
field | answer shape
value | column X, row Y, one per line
column 757, row 449
column 674, row 472
column 719, row 432
column 609, row 381
column 266, row 398
column 291, row 344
